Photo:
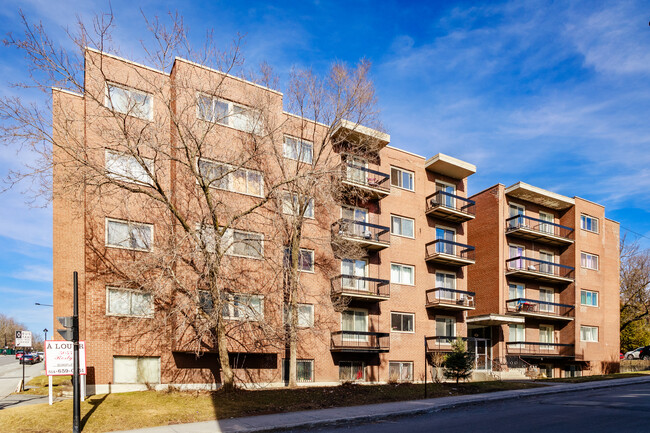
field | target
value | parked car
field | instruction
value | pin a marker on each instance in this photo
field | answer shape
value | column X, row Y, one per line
column 19, row 354
column 621, row 356
column 29, row 358
column 41, row 356
column 645, row 353
column 633, row 354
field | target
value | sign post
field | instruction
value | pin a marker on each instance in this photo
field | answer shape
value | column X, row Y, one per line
column 23, row 339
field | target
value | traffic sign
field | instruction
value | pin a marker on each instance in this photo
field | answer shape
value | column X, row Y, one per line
column 23, row 338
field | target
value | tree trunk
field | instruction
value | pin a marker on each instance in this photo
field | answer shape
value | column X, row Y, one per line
column 293, row 305
column 227, row 375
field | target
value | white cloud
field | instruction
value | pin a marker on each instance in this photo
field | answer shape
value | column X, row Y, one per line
column 34, row 273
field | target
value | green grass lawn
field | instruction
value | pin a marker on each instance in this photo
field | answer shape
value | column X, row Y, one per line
column 132, row 410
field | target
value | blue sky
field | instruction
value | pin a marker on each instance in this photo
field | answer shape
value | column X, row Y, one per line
column 556, row 94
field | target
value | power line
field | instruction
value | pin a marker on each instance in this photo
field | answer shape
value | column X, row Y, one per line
column 632, row 231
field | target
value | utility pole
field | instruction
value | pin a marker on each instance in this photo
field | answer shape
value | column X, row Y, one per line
column 426, row 367
column 76, row 406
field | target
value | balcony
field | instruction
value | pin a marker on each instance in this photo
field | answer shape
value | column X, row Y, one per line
column 538, row 230
column 450, row 299
column 366, row 182
column 541, row 309
column 450, row 207
column 360, row 342
column 539, row 350
column 367, row 235
column 539, row 270
column 449, row 253
column 441, row 343
column 361, row 288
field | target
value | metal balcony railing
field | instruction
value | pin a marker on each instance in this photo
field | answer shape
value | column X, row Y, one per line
column 532, row 306
column 544, row 228
column 541, row 267
column 450, row 201
column 441, row 343
column 450, row 248
column 362, row 231
column 352, row 285
column 366, row 177
column 450, row 297
column 357, row 341
column 535, row 348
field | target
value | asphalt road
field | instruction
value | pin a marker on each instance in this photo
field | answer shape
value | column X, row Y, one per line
column 617, row 409
column 11, row 371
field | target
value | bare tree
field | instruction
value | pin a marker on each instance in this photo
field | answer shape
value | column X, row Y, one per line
column 168, row 146
column 635, row 284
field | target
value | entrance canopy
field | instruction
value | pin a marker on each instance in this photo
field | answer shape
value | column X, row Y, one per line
column 493, row 319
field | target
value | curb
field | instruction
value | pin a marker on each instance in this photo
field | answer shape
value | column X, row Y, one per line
column 471, row 400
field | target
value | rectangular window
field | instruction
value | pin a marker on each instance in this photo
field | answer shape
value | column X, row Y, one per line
column 401, row 178
column 136, row 369
column 446, row 327
column 230, row 114
column 299, row 150
column 127, row 168
column 206, row 302
column 572, row 371
column 546, row 295
column 351, row 371
column 305, row 315
column 400, row 371
column 129, row 101
column 305, row 259
column 589, row 223
column 516, row 333
column 589, row 334
column 128, row 302
column 402, row 322
column 304, row 370
column 243, row 307
column 587, row 297
column 243, row 244
column 401, row 226
column 402, row 274
column 129, row 235
column 224, row 176
column 589, row 261
column 291, row 205
column 516, row 291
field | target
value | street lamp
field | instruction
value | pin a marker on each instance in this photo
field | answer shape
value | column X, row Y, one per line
column 43, row 305
column 45, row 331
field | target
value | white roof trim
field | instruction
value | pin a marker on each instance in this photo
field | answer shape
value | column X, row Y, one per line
column 555, row 200
column 305, row 118
column 360, row 129
column 180, row 59
column 122, row 59
column 405, row 151
column 496, row 318
column 69, row 92
column 446, row 162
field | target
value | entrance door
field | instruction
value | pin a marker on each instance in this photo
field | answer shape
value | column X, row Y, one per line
column 446, row 198
column 445, row 281
column 445, row 235
column 357, row 321
column 356, row 173
column 355, row 214
column 516, row 251
column 356, row 268
column 546, row 295
column 548, row 259
column 545, row 227
column 516, row 210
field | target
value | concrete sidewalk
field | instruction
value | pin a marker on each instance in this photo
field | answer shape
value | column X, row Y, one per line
column 374, row 412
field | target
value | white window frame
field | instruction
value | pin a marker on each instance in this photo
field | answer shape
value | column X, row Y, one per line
column 583, row 263
column 300, row 147
column 587, row 338
column 243, row 315
column 310, row 317
column 401, row 313
column 544, row 307
column 401, row 172
column 583, row 223
column 227, row 242
column 228, row 178
column 352, row 364
column 131, row 293
column 401, row 365
column 128, row 177
column 455, row 330
column 290, row 206
column 516, row 288
column 517, row 327
column 593, row 292
column 367, row 327
column 402, row 218
column 130, row 224
column 108, row 103
column 255, row 129
column 401, row 266
column 547, row 225
column 285, row 367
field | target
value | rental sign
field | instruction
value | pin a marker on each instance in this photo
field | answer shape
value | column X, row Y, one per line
column 59, row 358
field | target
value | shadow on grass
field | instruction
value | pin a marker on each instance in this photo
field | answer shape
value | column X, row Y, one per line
column 95, row 404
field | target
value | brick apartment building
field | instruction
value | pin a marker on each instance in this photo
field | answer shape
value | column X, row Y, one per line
column 547, row 267
column 372, row 318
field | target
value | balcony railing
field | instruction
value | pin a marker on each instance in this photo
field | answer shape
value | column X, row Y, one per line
column 450, row 298
column 451, row 207
column 449, row 252
column 441, row 343
column 539, row 269
column 361, row 287
column 532, row 307
column 368, row 234
column 537, row 349
column 367, row 178
column 540, row 230
column 357, row 341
